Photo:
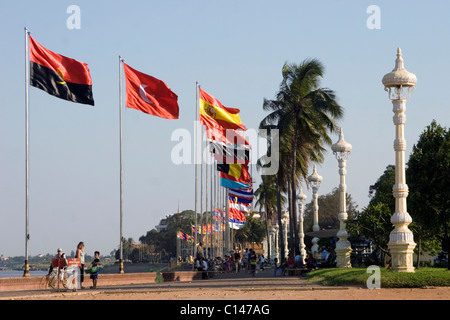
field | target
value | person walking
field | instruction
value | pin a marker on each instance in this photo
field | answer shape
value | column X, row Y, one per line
column 80, row 255
column 245, row 259
column 252, row 261
column 237, row 260
column 276, row 267
column 200, row 253
column 262, row 261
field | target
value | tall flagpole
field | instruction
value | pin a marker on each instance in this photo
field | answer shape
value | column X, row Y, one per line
column 212, row 208
column 196, row 169
column 206, row 207
column 121, row 173
column 227, row 224
column 201, row 182
column 27, row 176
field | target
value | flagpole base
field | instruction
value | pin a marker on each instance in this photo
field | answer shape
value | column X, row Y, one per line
column 26, row 270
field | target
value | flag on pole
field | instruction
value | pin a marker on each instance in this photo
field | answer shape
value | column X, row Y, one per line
column 242, row 193
column 233, row 184
column 237, row 213
column 227, row 153
column 214, row 114
column 226, row 136
column 236, row 172
column 59, row 76
column 241, row 196
column 149, row 95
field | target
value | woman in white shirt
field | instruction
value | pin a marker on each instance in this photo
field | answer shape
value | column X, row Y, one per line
column 80, row 255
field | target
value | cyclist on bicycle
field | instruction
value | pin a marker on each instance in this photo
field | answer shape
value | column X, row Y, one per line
column 59, row 255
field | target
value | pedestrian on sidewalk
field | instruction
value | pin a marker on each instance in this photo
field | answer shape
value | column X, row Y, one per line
column 237, row 260
column 252, row 260
column 276, row 267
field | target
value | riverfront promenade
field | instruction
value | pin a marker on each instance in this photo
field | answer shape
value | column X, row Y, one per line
column 241, row 286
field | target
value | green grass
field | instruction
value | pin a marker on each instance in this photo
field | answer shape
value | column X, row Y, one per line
column 159, row 278
column 423, row 277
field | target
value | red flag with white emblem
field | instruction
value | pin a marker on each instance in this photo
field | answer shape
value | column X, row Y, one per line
column 149, row 95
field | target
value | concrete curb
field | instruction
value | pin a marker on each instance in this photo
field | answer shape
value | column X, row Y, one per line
column 39, row 283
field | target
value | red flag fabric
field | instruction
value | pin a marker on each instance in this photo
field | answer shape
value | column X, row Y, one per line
column 150, row 95
column 59, row 76
column 228, row 136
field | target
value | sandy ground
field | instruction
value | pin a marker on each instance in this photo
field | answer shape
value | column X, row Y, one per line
column 440, row 293
column 263, row 287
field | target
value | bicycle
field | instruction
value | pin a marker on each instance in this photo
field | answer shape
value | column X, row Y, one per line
column 52, row 278
column 69, row 278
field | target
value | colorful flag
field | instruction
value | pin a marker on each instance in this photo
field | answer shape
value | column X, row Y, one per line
column 228, row 153
column 150, row 95
column 242, row 193
column 184, row 236
column 240, row 200
column 227, row 136
column 59, row 76
column 241, row 196
column 235, row 172
column 214, row 114
column 233, row 184
column 236, row 214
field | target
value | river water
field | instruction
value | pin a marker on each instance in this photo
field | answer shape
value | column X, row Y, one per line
column 17, row 273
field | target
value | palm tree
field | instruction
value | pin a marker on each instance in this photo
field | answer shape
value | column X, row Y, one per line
column 266, row 195
column 304, row 114
column 280, row 180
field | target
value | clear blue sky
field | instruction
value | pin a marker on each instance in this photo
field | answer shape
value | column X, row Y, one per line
column 235, row 50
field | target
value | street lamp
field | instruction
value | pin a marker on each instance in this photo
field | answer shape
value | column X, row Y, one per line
column 275, row 240
column 341, row 150
column 271, row 243
column 301, row 201
column 399, row 84
column 314, row 181
column 285, row 222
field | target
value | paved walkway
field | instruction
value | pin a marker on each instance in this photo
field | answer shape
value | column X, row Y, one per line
column 243, row 280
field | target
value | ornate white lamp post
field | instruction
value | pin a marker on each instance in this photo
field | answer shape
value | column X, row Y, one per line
column 274, row 233
column 341, row 150
column 285, row 221
column 271, row 243
column 314, row 181
column 400, row 83
column 301, row 201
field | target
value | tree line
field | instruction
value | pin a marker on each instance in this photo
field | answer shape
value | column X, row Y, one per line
column 305, row 115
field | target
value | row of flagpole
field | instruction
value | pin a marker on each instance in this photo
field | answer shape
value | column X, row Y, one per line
column 198, row 137
column 220, row 196
column 27, row 173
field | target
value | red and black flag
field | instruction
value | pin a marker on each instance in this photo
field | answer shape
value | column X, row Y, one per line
column 60, row 76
